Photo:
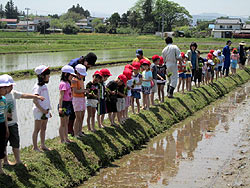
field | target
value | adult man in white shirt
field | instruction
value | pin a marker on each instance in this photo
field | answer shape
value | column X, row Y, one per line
column 171, row 54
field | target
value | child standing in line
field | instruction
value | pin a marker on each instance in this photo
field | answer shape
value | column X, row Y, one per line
column 14, row 138
column 221, row 57
column 153, row 67
column 181, row 71
column 120, row 104
column 235, row 57
column 41, row 108
column 161, row 79
column 128, row 74
column 65, row 106
column 93, row 89
column 4, row 131
column 147, row 77
column 209, row 68
column 79, row 102
column 136, row 86
column 188, row 74
column 204, row 73
column 216, row 63
column 102, row 107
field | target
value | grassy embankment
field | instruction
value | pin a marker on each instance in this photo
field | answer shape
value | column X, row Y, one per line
column 70, row 165
column 16, row 42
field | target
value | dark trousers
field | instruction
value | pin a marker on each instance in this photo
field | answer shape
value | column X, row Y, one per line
column 227, row 71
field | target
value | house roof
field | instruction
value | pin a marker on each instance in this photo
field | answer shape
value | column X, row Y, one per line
column 246, row 26
column 229, row 21
column 8, row 20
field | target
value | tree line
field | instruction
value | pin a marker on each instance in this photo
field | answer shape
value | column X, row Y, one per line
column 10, row 11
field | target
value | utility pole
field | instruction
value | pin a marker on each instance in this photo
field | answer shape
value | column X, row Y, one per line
column 27, row 19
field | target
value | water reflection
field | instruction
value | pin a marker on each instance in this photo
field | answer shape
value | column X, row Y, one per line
column 160, row 161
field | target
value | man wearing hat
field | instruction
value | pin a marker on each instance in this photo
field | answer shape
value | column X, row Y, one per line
column 139, row 56
column 242, row 54
column 226, row 52
column 88, row 60
column 171, row 54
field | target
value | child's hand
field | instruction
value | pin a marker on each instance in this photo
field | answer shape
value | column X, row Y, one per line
column 7, row 133
column 40, row 98
column 60, row 112
column 50, row 115
column 45, row 111
column 113, row 92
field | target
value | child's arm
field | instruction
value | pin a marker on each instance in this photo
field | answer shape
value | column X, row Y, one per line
column 159, row 77
column 149, row 79
column 44, row 111
column 6, row 125
column 61, row 101
column 31, row 96
column 75, row 90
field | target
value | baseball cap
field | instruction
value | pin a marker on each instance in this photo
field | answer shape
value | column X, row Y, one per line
column 128, row 66
column 144, row 61
column 128, row 73
column 98, row 73
column 105, row 72
column 155, row 57
column 81, row 69
column 182, row 54
column 123, row 78
column 139, row 52
column 40, row 69
column 68, row 69
column 209, row 56
column 161, row 61
column 4, row 80
column 211, row 51
column 136, row 65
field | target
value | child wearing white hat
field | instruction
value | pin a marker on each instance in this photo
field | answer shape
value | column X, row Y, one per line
column 79, row 102
column 41, row 109
column 11, row 97
column 65, row 106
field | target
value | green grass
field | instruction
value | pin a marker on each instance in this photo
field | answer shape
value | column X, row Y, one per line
column 18, row 42
column 70, row 165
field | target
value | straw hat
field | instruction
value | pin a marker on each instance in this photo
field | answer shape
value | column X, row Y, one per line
column 242, row 43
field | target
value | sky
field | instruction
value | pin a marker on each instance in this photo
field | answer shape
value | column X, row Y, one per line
column 105, row 8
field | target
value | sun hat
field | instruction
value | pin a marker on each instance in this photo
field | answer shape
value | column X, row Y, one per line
column 128, row 66
column 4, row 80
column 218, row 51
column 155, row 57
column 128, row 73
column 40, row 69
column 136, row 65
column 68, row 69
column 105, row 72
column 215, row 53
column 10, row 80
column 81, row 69
column 161, row 61
column 139, row 52
column 123, row 78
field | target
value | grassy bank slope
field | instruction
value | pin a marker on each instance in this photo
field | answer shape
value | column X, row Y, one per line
column 69, row 165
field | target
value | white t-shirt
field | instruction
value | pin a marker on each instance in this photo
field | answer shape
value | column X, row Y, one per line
column 11, row 105
column 42, row 91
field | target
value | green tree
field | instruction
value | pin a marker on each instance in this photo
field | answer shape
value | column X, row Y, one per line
column 55, row 24
column 1, row 11
column 42, row 26
column 124, row 19
column 79, row 10
column 95, row 22
column 171, row 11
column 71, row 16
column 70, row 27
column 11, row 11
column 101, row 28
column 135, row 20
column 115, row 19
column 147, row 9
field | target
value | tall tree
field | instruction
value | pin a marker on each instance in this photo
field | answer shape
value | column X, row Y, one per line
column 115, row 19
column 171, row 11
column 124, row 19
column 10, row 10
column 147, row 9
column 1, row 11
column 79, row 10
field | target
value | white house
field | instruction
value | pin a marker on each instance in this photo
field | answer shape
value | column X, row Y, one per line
column 224, row 28
column 23, row 26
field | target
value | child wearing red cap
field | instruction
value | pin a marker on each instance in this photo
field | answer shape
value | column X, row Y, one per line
column 102, row 109
column 112, row 91
column 182, row 73
column 92, row 99
column 120, row 104
column 147, row 78
column 154, row 70
column 128, row 74
column 136, row 86
column 161, row 79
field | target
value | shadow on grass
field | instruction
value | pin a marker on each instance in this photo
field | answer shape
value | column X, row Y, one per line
column 184, row 105
column 7, row 181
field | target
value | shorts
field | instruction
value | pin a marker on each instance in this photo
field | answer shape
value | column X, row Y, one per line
column 38, row 115
column 182, row 75
column 101, row 107
column 219, row 68
column 136, row 94
column 160, row 82
column 14, row 138
column 68, row 106
column 188, row 75
column 127, row 101
column 233, row 65
column 120, row 104
column 146, row 90
column 110, row 106
column 154, row 88
column 92, row 103
column 79, row 104
column 2, row 140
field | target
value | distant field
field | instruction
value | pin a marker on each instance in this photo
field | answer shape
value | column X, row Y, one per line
column 19, row 42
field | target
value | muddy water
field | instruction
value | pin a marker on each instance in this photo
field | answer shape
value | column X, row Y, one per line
column 14, row 62
column 190, row 154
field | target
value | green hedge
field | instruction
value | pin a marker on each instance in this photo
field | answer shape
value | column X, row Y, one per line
column 70, row 165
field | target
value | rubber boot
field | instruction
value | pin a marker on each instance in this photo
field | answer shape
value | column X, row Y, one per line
column 171, row 92
column 168, row 89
